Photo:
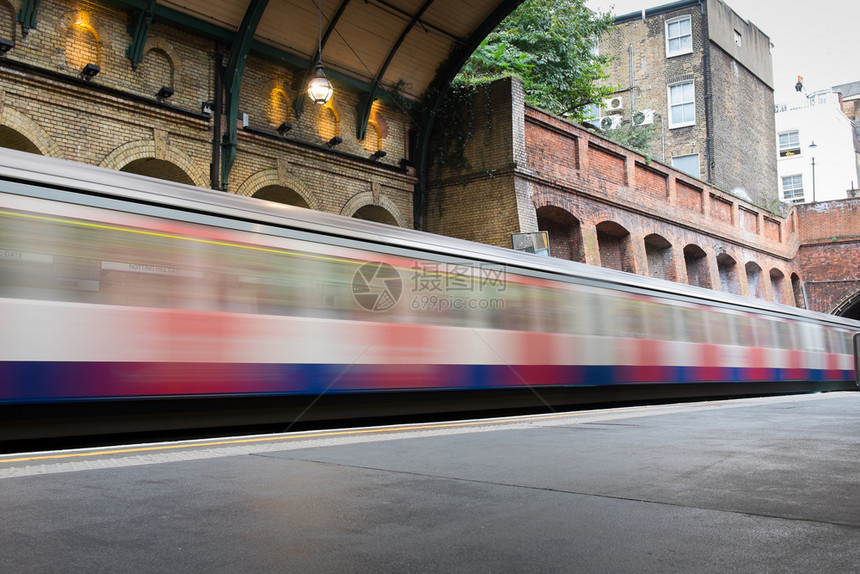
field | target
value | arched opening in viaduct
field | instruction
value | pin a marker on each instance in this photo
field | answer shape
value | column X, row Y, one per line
column 12, row 139
column 375, row 213
column 565, row 233
column 696, row 262
column 158, row 168
column 849, row 308
column 661, row 260
column 280, row 194
column 613, row 242
column 780, row 293
column 755, row 281
column 799, row 299
column 728, row 269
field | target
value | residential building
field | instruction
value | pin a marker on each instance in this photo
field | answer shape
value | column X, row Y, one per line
column 703, row 76
column 815, row 146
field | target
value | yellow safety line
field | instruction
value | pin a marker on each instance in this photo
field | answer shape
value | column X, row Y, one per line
column 321, row 434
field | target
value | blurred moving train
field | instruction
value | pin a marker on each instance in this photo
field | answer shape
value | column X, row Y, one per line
column 123, row 296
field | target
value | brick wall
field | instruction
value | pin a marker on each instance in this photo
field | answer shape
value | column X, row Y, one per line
column 741, row 111
column 744, row 146
column 830, row 254
column 45, row 108
column 473, row 192
column 652, row 74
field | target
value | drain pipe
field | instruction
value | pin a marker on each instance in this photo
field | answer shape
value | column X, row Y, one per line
column 632, row 95
column 217, row 105
column 707, row 86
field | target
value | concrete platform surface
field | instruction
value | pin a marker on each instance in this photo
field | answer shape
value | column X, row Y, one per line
column 753, row 485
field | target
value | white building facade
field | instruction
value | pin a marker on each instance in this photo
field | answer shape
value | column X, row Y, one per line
column 826, row 170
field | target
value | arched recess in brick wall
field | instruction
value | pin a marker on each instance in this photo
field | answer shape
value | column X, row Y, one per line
column 167, row 162
column 159, row 169
column 661, row 259
column 373, row 137
column 849, row 307
column 280, row 186
column 797, row 289
column 85, row 40
column 280, row 194
column 158, row 69
column 696, row 262
column 613, row 242
column 362, row 206
column 7, row 20
column 565, row 233
column 729, row 280
column 279, row 105
column 755, row 280
column 375, row 213
column 780, row 292
column 327, row 122
column 21, row 133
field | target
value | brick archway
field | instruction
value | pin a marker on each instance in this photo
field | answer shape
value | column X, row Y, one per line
column 849, row 307
column 365, row 198
column 143, row 149
column 565, row 232
column 661, row 258
column 614, row 244
column 279, row 178
column 15, row 120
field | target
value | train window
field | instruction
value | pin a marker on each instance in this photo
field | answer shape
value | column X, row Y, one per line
column 631, row 319
column 580, row 311
column 693, row 325
column 813, row 338
column 784, row 335
column 660, row 321
column 719, row 328
column 839, row 342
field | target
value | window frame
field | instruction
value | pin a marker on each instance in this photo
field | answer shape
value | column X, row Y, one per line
column 671, row 104
column 680, row 51
column 698, row 157
column 794, row 198
column 790, row 150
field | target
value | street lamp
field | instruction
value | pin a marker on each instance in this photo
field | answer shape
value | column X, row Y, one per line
column 812, row 147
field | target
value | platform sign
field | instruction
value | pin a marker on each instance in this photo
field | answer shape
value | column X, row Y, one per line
column 857, row 359
column 537, row 243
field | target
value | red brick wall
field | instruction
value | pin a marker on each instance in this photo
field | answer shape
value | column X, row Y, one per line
column 830, row 254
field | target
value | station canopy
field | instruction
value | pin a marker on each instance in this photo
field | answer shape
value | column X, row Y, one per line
column 376, row 45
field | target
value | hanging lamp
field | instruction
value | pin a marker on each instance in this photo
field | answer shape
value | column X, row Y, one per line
column 320, row 89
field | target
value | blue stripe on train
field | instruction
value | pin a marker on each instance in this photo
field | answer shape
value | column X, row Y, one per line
column 32, row 381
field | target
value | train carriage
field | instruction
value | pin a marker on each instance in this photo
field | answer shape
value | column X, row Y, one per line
column 118, row 291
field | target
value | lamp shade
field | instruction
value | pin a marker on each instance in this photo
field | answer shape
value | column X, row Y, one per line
column 319, row 88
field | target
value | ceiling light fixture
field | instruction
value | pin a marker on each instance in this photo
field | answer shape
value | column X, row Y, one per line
column 320, row 89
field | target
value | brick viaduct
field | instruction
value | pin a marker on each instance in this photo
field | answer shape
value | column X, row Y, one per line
column 524, row 169
column 604, row 204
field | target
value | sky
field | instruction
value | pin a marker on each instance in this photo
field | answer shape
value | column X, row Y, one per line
column 811, row 38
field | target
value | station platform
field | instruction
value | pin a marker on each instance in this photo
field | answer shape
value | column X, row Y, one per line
column 748, row 485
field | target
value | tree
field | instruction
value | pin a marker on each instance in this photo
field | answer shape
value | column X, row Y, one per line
column 551, row 46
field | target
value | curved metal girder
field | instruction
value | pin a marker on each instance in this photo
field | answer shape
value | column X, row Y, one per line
column 299, row 104
column 233, row 81
column 436, row 94
column 27, row 15
column 139, row 33
column 366, row 102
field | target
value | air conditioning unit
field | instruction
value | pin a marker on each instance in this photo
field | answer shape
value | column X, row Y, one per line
column 610, row 122
column 615, row 103
column 643, row 118
column 593, row 122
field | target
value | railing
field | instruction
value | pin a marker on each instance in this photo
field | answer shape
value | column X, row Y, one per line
column 822, row 98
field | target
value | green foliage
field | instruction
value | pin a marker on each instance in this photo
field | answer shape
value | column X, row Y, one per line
column 551, row 46
column 637, row 137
